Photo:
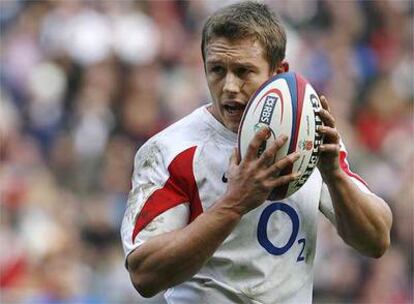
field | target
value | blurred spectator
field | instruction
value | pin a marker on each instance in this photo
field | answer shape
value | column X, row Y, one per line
column 85, row 83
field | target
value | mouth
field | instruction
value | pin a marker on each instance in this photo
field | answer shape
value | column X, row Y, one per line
column 234, row 109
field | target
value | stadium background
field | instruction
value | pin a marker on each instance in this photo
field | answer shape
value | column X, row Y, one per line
column 85, row 83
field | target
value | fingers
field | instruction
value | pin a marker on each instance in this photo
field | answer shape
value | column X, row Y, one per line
column 327, row 118
column 330, row 148
column 254, row 145
column 325, row 113
column 274, row 180
column 268, row 156
column 328, row 131
column 285, row 162
column 283, row 180
column 324, row 103
column 329, row 134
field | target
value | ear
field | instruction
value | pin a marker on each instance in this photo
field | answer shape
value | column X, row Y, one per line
column 283, row 67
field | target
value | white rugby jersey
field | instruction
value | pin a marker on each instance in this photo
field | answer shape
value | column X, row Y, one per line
column 268, row 258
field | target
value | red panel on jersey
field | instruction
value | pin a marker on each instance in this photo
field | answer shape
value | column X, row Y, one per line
column 345, row 166
column 181, row 187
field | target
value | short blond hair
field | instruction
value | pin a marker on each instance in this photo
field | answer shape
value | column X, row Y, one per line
column 248, row 19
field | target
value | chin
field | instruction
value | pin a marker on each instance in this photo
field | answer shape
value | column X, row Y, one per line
column 231, row 124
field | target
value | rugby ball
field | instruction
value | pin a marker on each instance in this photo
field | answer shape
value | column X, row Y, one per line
column 287, row 104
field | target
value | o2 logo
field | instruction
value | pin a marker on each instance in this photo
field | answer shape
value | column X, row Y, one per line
column 262, row 230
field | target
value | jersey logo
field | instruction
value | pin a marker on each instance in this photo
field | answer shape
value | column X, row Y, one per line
column 224, row 179
column 262, row 230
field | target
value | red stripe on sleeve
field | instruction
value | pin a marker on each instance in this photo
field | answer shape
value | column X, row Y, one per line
column 180, row 187
column 343, row 162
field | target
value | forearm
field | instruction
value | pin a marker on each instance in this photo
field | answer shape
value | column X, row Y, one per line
column 363, row 220
column 175, row 257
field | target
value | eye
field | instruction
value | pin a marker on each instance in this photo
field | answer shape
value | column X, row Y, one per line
column 216, row 69
column 242, row 72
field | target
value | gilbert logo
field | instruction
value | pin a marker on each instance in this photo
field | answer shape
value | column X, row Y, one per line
column 317, row 141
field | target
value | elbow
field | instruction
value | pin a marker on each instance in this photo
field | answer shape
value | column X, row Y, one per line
column 381, row 247
column 145, row 283
column 384, row 242
column 145, row 289
column 146, row 292
column 378, row 248
column 373, row 248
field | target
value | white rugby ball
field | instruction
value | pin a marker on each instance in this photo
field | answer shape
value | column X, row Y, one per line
column 287, row 104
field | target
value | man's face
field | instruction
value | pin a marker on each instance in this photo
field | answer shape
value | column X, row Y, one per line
column 235, row 69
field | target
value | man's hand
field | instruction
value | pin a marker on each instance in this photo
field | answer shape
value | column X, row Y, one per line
column 253, row 178
column 329, row 151
column 363, row 220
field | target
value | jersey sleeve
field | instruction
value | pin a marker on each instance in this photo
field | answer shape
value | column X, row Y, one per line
column 162, row 195
column 325, row 204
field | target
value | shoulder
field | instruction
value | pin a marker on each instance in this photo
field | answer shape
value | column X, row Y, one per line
column 188, row 132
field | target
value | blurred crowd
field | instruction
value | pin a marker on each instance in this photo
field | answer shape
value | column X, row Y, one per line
column 85, row 83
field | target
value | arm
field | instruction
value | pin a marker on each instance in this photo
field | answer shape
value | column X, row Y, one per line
column 174, row 257
column 171, row 258
column 363, row 220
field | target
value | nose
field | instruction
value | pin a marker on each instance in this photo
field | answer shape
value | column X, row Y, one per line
column 232, row 84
